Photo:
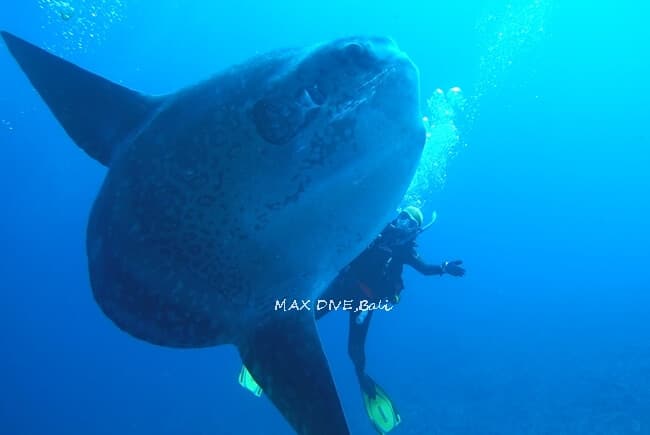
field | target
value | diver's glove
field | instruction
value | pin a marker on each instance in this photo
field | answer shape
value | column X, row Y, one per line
column 453, row 268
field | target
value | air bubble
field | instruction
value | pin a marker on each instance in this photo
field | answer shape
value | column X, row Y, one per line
column 81, row 24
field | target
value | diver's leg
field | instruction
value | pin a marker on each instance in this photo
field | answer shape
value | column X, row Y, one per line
column 357, row 343
column 380, row 409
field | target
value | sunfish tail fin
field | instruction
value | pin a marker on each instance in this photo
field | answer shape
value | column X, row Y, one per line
column 286, row 359
column 96, row 113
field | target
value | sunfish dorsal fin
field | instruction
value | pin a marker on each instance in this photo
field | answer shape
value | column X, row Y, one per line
column 286, row 358
column 96, row 113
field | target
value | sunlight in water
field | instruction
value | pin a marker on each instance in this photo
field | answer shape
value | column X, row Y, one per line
column 80, row 23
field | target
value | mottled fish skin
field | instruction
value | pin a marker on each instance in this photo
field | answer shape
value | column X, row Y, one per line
column 202, row 223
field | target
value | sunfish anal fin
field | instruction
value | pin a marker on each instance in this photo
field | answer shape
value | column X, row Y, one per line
column 286, row 359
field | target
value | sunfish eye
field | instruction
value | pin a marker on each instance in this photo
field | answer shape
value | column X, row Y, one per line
column 358, row 53
column 354, row 49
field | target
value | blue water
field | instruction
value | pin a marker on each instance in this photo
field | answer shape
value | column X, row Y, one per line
column 544, row 197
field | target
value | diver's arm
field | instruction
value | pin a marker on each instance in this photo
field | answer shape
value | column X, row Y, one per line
column 416, row 263
column 450, row 267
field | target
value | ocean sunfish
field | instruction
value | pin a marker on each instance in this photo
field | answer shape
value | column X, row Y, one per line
column 256, row 185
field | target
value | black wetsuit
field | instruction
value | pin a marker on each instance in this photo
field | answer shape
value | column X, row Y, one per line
column 375, row 275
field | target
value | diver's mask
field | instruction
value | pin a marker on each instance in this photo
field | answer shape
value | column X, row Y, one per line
column 404, row 222
column 406, row 227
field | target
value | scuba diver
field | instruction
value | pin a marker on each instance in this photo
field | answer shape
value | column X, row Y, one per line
column 375, row 275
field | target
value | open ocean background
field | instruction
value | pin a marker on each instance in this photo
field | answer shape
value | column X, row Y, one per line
column 539, row 175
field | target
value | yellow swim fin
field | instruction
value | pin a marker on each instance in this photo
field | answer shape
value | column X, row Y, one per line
column 381, row 411
column 246, row 380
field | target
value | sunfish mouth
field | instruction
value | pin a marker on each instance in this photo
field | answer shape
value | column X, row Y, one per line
column 363, row 94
